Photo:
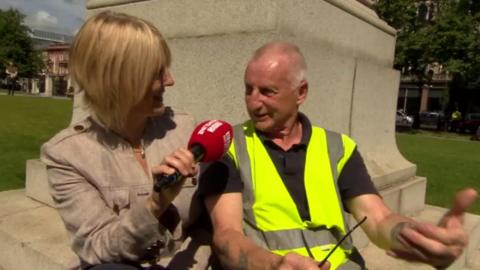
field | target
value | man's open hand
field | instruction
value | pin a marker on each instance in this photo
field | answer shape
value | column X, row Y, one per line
column 437, row 245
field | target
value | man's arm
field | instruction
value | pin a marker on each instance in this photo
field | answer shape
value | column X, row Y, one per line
column 411, row 240
column 235, row 250
column 380, row 219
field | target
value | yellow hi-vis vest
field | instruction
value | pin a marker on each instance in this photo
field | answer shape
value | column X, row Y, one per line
column 271, row 218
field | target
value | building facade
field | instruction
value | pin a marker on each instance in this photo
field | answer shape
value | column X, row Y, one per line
column 416, row 97
column 53, row 80
column 56, row 62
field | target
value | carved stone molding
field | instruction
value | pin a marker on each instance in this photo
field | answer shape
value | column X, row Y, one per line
column 105, row 3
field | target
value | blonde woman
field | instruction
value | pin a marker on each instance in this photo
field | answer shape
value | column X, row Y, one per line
column 101, row 169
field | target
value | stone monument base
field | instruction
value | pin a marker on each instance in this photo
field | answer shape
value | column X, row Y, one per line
column 32, row 236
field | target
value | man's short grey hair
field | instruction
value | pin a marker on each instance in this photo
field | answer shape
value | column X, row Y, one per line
column 295, row 57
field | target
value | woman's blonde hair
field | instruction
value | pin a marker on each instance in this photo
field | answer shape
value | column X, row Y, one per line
column 114, row 59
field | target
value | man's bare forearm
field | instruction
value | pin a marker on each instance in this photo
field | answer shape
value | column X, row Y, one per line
column 382, row 225
column 236, row 251
column 386, row 232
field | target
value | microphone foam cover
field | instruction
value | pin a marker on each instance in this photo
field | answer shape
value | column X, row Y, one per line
column 214, row 136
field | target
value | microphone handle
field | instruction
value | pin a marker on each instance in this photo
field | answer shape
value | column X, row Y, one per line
column 165, row 180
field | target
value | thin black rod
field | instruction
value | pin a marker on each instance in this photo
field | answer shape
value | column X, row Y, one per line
column 341, row 240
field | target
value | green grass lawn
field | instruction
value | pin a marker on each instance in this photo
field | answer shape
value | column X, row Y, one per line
column 449, row 161
column 26, row 123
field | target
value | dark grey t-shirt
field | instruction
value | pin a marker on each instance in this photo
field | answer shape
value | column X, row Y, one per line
column 223, row 177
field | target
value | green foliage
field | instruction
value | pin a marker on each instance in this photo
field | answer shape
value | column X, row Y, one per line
column 16, row 45
column 451, row 38
column 411, row 37
column 398, row 13
column 455, row 42
column 410, row 54
column 471, row 7
column 27, row 122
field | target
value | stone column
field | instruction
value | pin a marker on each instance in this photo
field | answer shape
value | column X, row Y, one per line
column 35, row 89
column 424, row 98
column 48, row 85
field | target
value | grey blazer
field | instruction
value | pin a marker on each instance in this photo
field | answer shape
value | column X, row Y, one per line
column 100, row 189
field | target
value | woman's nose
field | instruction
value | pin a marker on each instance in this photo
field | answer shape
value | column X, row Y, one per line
column 168, row 78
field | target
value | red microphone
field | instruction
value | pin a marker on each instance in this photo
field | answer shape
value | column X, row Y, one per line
column 209, row 141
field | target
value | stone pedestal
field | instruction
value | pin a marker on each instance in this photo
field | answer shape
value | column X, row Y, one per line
column 36, row 183
column 349, row 52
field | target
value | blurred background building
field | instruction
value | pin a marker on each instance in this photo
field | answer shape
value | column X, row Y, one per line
column 54, row 79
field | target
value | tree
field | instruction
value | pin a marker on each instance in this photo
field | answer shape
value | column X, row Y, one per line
column 411, row 36
column 450, row 37
column 454, row 39
column 16, row 45
column 400, row 14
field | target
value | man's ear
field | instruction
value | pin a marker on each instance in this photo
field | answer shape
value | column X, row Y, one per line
column 302, row 92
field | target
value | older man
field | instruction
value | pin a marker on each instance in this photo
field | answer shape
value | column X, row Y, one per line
column 287, row 186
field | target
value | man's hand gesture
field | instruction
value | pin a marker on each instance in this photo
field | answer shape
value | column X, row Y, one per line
column 437, row 245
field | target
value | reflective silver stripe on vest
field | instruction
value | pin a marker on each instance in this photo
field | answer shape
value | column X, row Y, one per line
column 335, row 153
column 245, row 173
column 292, row 239
column 335, row 150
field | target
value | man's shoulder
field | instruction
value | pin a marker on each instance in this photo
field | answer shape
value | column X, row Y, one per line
column 334, row 138
column 331, row 131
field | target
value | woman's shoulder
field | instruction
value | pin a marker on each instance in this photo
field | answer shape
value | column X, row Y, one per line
column 70, row 131
column 67, row 137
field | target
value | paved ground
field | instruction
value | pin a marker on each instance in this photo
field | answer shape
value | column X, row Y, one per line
column 32, row 236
